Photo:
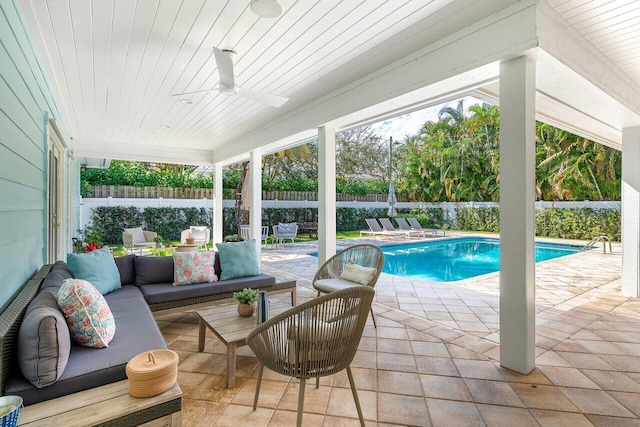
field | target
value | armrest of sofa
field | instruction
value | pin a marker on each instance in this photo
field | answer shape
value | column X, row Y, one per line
column 184, row 235
column 10, row 320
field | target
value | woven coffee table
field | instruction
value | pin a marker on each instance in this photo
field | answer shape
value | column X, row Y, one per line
column 232, row 329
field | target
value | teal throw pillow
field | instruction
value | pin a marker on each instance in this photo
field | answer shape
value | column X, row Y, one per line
column 97, row 267
column 238, row 259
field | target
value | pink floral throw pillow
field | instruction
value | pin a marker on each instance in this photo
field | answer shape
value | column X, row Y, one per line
column 88, row 316
column 193, row 267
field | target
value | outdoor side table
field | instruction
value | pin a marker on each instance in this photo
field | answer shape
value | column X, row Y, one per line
column 232, row 329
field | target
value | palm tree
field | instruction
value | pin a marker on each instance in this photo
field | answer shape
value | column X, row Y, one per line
column 574, row 168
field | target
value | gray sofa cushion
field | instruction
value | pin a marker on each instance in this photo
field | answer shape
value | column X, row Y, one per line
column 166, row 292
column 153, row 270
column 123, row 293
column 59, row 272
column 127, row 269
column 43, row 341
column 88, row 367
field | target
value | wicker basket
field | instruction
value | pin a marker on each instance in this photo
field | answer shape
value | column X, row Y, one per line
column 246, row 310
column 152, row 373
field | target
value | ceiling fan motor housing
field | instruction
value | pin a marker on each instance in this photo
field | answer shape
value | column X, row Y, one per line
column 227, row 89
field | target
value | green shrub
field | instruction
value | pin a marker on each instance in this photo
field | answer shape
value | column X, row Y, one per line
column 575, row 223
column 478, row 219
column 579, row 223
column 167, row 222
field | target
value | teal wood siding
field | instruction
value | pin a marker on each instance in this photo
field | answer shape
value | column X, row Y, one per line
column 26, row 99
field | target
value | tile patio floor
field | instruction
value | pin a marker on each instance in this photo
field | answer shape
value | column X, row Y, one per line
column 433, row 360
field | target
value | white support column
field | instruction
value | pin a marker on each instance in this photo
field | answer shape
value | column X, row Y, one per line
column 326, row 193
column 217, row 204
column 255, row 197
column 631, row 212
column 517, row 214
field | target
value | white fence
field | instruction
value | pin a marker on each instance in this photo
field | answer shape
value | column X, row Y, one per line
column 449, row 207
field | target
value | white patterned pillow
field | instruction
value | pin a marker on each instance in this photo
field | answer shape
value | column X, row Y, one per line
column 88, row 316
column 193, row 267
column 357, row 273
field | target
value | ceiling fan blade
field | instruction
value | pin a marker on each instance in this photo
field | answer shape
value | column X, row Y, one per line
column 195, row 91
column 265, row 98
column 225, row 67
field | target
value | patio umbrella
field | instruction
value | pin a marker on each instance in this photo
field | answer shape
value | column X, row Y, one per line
column 392, row 200
column 244, row 193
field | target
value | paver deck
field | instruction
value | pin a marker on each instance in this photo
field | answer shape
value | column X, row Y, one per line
column 433, row 360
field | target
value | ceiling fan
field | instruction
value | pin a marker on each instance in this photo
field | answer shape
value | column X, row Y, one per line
column 227, row 86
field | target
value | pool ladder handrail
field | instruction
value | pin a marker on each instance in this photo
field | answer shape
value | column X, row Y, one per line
column 603, row 239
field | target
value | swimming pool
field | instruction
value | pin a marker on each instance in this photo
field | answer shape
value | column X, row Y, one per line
column 456, row 259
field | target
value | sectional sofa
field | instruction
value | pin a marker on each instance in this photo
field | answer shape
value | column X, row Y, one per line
column 147, row 285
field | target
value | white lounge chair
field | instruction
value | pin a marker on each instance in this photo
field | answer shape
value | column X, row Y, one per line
column 416, row 226
column 376, row 230
column 404, row 225
column 389, row 228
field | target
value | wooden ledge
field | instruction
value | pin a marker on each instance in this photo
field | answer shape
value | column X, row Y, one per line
column 110, row 404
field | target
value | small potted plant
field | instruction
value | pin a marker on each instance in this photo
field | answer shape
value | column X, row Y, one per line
column 246, row 298
column 158, row 240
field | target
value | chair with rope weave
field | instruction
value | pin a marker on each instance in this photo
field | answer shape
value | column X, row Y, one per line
column 354, row 266
column 313, row 340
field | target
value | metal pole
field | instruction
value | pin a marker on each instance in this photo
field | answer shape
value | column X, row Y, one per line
column 390, row 157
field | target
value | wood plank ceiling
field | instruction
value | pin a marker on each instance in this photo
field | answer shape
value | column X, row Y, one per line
column 613, row 26
column 115, row 64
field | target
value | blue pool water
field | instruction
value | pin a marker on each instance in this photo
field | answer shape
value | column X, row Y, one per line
column 456, row 259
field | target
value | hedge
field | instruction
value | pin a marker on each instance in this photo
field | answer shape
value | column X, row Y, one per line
column 347, row 219
column 582, row 223
column 574, row 223
column 167, row 222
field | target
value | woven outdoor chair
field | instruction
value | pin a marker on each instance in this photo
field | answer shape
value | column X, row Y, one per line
column 330, row 276
column 313, row 340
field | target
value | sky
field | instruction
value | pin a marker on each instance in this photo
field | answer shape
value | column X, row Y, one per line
column 411, row 123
